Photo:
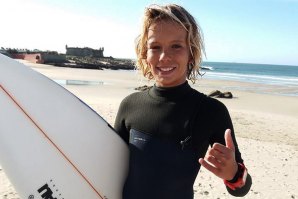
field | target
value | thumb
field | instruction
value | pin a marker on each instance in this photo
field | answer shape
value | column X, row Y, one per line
column 229, row 140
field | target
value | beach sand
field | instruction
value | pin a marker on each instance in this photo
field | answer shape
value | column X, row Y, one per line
column 266, row 127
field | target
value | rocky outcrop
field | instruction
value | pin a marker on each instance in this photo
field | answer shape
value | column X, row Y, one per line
column 97, row 63
column 143, row 88
column 220, row 94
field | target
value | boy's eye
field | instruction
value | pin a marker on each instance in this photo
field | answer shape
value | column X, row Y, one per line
column 176, row 46
column 154, row 47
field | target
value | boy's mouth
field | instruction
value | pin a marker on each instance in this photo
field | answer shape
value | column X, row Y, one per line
column 166, row 69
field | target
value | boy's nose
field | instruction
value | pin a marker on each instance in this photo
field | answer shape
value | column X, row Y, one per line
column 165, row 55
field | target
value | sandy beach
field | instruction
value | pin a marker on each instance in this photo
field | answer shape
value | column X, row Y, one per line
column 266, row 127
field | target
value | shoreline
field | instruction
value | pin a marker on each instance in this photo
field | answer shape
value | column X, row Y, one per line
column 265, row 125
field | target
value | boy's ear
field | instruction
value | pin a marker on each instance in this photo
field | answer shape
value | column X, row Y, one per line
column 191, row 60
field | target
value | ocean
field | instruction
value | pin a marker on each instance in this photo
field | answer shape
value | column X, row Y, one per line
column 282, row 77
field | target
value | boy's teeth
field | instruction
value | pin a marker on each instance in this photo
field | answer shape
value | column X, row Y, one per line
column 166, row 69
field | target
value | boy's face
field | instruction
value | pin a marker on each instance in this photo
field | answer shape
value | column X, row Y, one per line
column 168, row 53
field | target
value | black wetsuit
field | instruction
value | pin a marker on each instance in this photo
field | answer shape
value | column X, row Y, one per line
column 168, row 130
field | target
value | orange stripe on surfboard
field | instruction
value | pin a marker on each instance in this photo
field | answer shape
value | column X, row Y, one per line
column 52, row 142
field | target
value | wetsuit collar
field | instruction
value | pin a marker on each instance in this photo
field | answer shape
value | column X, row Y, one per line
column 170, row 93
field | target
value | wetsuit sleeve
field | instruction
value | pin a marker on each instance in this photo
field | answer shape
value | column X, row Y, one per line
column 223, row 121
column 119, row 125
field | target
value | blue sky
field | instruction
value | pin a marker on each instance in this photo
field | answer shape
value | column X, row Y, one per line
column 249, row 31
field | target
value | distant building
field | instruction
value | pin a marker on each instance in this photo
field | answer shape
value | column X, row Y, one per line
column 41, row 58
column 34, row 56
column 74, row 51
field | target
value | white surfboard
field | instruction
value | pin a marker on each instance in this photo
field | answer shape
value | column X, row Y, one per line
column 52, row 145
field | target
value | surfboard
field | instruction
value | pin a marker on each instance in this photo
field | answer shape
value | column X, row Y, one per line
column 52, row 145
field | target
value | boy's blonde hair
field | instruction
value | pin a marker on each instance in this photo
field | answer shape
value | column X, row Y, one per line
column 178, row 14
